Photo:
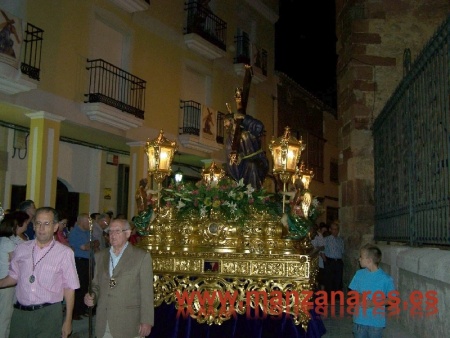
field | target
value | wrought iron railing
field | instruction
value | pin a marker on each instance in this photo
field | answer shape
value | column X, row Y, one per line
column 242, row 49
column 191, row 112
column 115, row 87
column 246, row 51
column 220, row 136
column 32, row 50
column 201, row 21
column 260, row 59
column 412, row 150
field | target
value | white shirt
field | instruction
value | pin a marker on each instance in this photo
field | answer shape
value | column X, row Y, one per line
column 317, row 242
column 6, row 247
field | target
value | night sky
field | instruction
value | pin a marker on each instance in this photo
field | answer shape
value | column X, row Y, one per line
column 305, row 46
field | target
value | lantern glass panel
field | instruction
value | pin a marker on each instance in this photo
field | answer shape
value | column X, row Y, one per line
column 164, row 159
column 292, row 158
column 151, row 159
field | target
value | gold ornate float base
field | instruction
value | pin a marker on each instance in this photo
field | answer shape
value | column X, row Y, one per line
column 213, row 269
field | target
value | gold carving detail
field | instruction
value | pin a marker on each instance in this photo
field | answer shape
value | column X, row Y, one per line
column 213, row 255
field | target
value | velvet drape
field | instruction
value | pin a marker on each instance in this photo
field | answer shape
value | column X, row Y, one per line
column 170, row 324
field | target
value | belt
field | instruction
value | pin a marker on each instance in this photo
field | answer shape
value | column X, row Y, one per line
column 81, row 258
column 334, row 259
column 31, row 307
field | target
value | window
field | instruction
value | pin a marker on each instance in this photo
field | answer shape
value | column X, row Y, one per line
column 334, row 171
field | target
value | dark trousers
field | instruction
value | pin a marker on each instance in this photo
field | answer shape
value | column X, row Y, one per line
column 334, row 270
column 82, row 265
column 42, row 323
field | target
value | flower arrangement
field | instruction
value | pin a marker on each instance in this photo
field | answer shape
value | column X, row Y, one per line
column 235, row 200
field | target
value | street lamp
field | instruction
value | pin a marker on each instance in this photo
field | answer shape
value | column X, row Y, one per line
column 178, row 176
column 286, row 151
column 160, row 153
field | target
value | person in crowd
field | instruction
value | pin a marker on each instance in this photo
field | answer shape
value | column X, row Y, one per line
column 7, row 247
column 30, row 208
column 19, row 221
column 97, row 229
column 20, row 226
column 319, row 243
column 61, row 233
column 370, row 318
column 12, row 228
column 103, row 220
column 80, row 241
column 45, row 274
column 333, row 264
column 94, row 216
column 326, row 229
column 123, row 279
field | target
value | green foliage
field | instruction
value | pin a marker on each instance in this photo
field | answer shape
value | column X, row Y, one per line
column 232, row 199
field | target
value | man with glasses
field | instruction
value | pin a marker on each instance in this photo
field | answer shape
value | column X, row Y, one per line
column 122, row 287
column 45, row 274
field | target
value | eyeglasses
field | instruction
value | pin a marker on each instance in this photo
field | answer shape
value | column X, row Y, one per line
column 116, row 232
column 63, row 223
column 45, row 224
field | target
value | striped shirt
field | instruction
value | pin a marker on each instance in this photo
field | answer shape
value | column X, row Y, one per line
column 334, row 247
column 53, row 273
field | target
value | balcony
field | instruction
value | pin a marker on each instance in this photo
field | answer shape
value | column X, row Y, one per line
column 202, row 127
column 115, row 96
column 204, row 33
column 250, row 54
column 15, row 79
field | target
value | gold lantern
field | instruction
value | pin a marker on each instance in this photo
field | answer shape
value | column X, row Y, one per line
column 160, row 153
column 301, row 181
column 213, row 174
column 286, row 151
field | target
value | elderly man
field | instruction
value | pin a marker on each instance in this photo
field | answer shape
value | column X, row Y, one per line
column 122, row 287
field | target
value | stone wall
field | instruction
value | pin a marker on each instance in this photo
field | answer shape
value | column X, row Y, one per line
column 418, row 271
column 372, row 37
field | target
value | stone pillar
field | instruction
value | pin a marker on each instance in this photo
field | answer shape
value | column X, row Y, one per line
column 43, row 150
column 138, row 171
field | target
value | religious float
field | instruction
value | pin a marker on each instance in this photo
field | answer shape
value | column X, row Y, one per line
column 224, row 246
